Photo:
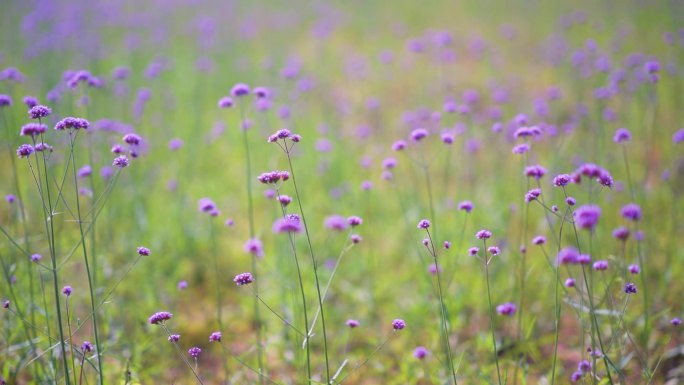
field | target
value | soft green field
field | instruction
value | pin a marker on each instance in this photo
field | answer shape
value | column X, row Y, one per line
column 351, row 78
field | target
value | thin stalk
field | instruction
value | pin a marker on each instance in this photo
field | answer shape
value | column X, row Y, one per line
column 182, row 356
column 491, row 312
column 72, row 138
column 71, row 336
column 315, row 265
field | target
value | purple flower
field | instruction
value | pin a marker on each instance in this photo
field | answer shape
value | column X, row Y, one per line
column 539, row 240
column 356, row 238
column 24, row 151
column 473, row 251
column 631, row 211
column 120, row 161
column 521, row 148
column 423, row 224
column 73, row 123
column 584, row 366
column 567, row 255
column 173, row 338
column 31, row 101
column 39, row 111
column 507, row 309
column 255, row 247
column 447, row 245
column 352, row 323
column 194, row 352
column 215, row 337
column 66, row 290
column 159, row 317
column 483, row 234
column 532, row 195
column 182, row 285
column 144, row 251
column 262, row 92
column 335, row 222
column 32, row 129
column 466, row 206
column 561, row 180
column 584, row 259
column 418, row 134
column 576, row 376
column 600, row 265
column 132, row 139
column 6, row 304
column 243, row 279
column 676, row 321
column 36, row 257
column 570, row 282
column 398, row 324
column 389, row 163
column 677, row 137
column 175, row 144
column 401, row 144
column 239, row 90
column 420, row 352
column 587, row 216
column 621, row 233
column 11, row 198
column 225, row 102
column 206, row 205
column 535, row 171
column 354, row 221
column 493, row 250
column 86, row 346
column 287, row 225
column 40, row 147
column 622, row 135
column 85, row 171
column 634, row 269
column 5, row 100
column 630, row 288
column 570, row 201
column 284, row 200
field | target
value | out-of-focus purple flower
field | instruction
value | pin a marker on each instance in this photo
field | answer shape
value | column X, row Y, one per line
column 87, row 347
column 420, row 352
column 32, row 129
column 539, row 240
column 483, row 234
column 587, row 216
column 418, row 134
column 30, row 101
column 144, row 251
column 132, row 139
column 507, row 309
column 401, row 144
column 634, row 269
column 85, row 171
column 521, row 148
column 675, row 321
column 10, row 198
column 621, row 233
column 13, row 74
column 466, row 206
column 535, row 171
column 72, row 123
column 354, row 221
column 289, row 224
column 631, row 211
column 5, row 100
column 398, row 324
column 215, row 337
column 570, row 282
column 239, row 90
column 173, row 338
column 622, row 135
column 243, row 279
column 194, row 352
column 182, row 285
column 67, row 290
column 352, row 323
column 335, row 222
column 568, row 255
column 600, row 265
column 562, row 180
column 423, row 224
column 678, row 137
column 532, row 195
column 225, row 102
column 120, row 161
column 255, row 247
column 630, row 288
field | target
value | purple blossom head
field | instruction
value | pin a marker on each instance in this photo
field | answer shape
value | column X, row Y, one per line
column 173, row 338
column 483, row 234
column 622, row 135
column 352, row 323
column 262, row 92
column 289, row 224
column 239, row 90
column 621, row 233
column 86, row 347
column 634, row 269
column 584, row 259
column 631, row 212
column 132, row 139
column 182, row 285
column 85, row 171
column 568, row 255
column 401, row 144
column 419, row 134
column 570, row 282
column 507, row 309
column 423, row 224
column 24, row 150
column 30, row 101
column 33, row 129
column 562, row 180
column 630, row 288
column 466, row 206
column 225, row 102
column 10, row 198
column 67, row 290
column 535, row 171
column 72, row 123
column 570, row 201
column 215, row 337
column 284, row 200
column 159, row 318
column 11, row 73
column 675, row 321
column 420, row 352
column 447, row 137
column 36, row 257
column 398, row 324
column 447, row 245
column 389, row 163
column 587, row 216
column 175, row 144
column 473, row 251
column 354, row 221
column 6, row 304
column 255, row 247
column 677, row 137
column 355, row 238
column 206, row 205
column 335, row 222
column 243, row 279
column 41, row 146
column 494, row 250
column 600, row 265
column 539, row 240
column 5, row 100
column 144, row 251
column 194, row 352
column 39, row 111
column 521, row 148
column 532, row 195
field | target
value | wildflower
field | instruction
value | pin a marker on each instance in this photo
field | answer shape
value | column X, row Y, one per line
column 493, row 250
column 117, row 149
column 521, row 148
column 631, row 211
column 24, row 151
column 182, row 285
column 584, row 366
column 561, row 180
column 507, row 309
column 676, row 321
column 600, row 265
column 352, row 323
column 33, row 129
column 36, row 257
column 539, row 240
column 535, row 171
column 215, row 337
column 621, row 233
column 630, row 288
column 356, row 238
column 483, row 234
column 225, row 102
column 120, row 161
column 447, row 245
column 570, row 282
column 239, row 90
column 568, row 255
column 287, row 225
column 206, row 205
column 73, row 123
column 159, row 317
column 466, row 206
column 87, row 347
column 255, row 247
column 420, row 352
column 570, row 201
column 419, row 134
column 398, row 324
column 39, row 111
column 5, row 100
column 144, row 251
column 66, row 290
column 576, row 376
column 6, row 304
column 175, row 144
column 677, row 137
column 132, row 139
column 584, row 259
column 284, row 200
column 335, row 222
column 532, row 195
column 389, row 163
column 173, row 338
column 243, row 279
column 40, row 147
column 622, row 135
column 587, row 216
column 473, row 251
column 85, row 171
column 354, row 221
column 400, row 144
column 634, row 269
column 194, row 352
column 423, row 224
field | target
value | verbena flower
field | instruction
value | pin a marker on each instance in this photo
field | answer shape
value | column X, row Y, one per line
column 39, row 111
column 243, row 279
column 398, row 324
column 420, row 352
column 507, row 309
column 159, row 318
column 587, row 216
column 194, row 352
column 352, row 323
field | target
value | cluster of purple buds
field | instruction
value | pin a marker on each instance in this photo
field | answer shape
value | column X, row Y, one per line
column 532, row 195
column 273, row 177
column 284, row 134
column 206, row 205
column 72, row 123
column 33, row 129
column 25, row 150
column 507, row 309
column 159, row 318
column 243, row 279
column 535, row 171
column 39, row 111
column 593, row 171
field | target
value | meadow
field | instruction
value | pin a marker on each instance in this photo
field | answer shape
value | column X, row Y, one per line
column 310, row 192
